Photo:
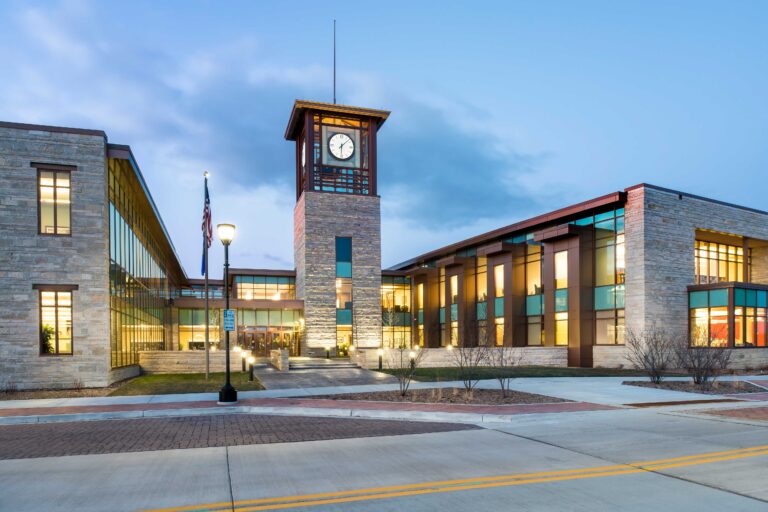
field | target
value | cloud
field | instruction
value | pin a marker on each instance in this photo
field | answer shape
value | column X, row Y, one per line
column 224, row 108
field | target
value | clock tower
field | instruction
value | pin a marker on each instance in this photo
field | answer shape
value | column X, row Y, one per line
column 337, row 225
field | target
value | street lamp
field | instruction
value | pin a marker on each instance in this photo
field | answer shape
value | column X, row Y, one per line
column 226, row 232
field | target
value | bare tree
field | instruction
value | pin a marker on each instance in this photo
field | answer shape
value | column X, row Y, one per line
column 703, row 362
column 653, row 351
column 503, row 359
column 403, row 363
column 468, row 361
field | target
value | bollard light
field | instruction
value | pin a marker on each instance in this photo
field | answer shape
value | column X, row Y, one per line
column 449, row 347
column 251, row 360
column 243, row 356
column 380, row 353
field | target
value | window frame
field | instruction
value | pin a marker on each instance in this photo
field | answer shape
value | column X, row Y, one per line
column 54, row 168
column 55, row 288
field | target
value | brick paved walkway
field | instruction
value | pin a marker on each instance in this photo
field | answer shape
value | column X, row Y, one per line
column 319, row 404
column 746, row 413
column 150, row 434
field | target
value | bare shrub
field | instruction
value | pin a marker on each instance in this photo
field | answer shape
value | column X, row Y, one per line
column 77, row 384
column 653, row 351
column 468, row 361
column 503, row 359
column 703, row 362
column 9, row 387
column 403, row 363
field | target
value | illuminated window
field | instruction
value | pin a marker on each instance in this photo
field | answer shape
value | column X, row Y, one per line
column 454, row 289
column 719, row 263
column 191, row 328
column 482, row 278
column 499, row 322
column 561, row 328
column 561, row 269
column 535, row 331
column 420, row 296
column 498, row 278
column 609, row 327
column 54, row 202
column 533, row 269
column 55, row 322
column 265, row 287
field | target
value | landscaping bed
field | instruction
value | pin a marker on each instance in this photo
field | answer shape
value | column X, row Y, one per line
column 56, row 393
column 716, row 388
column 448, row 396
column 450, row 373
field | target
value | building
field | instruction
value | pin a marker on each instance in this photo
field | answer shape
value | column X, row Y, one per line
column 93, row 291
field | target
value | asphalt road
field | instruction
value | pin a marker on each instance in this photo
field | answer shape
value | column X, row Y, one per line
column 633, row 460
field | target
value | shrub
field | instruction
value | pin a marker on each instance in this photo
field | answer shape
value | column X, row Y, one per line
column 653, row 351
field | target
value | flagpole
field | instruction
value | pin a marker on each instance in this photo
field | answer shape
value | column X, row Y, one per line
column 207, row 322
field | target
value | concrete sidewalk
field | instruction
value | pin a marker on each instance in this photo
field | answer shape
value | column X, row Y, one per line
column 586, row 394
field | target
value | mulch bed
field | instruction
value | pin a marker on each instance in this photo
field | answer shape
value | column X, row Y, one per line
column 58, row 393
column 717, row 388
column 448, row 396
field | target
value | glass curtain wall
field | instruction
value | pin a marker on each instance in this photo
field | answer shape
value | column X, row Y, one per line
column 191, row 329
column 719, row 263
column 344, row 320
column 534, row 300
column 396, row 311
column 263, row 330
column 139, row 287
column 265, row 287
column 609, row 278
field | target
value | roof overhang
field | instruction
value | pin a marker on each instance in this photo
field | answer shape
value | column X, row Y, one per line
column 300, row 106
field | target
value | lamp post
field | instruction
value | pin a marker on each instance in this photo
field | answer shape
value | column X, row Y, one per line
column 251, row 360
column 226, row 232
column 244, row 355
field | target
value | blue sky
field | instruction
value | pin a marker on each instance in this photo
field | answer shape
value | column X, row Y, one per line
column 500, row 110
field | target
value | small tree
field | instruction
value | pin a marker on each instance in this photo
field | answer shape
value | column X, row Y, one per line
column 653, row 351
column 703, row 362
column 468, row 361
column 46, row 336
column 403, row 364
column 503, row 359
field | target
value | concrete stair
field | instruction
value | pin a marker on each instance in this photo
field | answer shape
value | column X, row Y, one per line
column 316, row 363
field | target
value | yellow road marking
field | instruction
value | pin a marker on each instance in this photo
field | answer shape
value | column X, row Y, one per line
column 374, row 493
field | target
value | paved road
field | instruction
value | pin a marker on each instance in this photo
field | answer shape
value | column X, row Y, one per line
column 634, row 460
column 316, row 378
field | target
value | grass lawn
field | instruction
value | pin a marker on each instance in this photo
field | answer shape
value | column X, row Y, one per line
column 184, row 383
column 451, row 373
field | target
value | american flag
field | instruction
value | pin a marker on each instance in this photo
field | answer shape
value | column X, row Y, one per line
column 207, row 226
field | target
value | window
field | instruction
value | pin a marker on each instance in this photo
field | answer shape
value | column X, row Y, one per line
column 561, row 328
column 420, row 296
column 719, row 263
column 454, row 289
column 265, row 287
column 482, row 278
column 330, row 174
column 609, row 327
column 535, row 332
column 561, row 269
column 499, row 322
column 55, row 322
column 54, row 194
column 533, row 269
column 191, row 328
column 498, row 280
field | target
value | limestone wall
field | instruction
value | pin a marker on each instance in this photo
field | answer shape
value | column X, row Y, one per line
column 27, row 258
column 191, row 361
column 441, row 357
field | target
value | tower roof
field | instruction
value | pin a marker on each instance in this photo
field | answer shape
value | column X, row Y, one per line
column 300, row 106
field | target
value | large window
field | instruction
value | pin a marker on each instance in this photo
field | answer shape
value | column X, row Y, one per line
column 498, row 280
column 191, row 330
column 561, row 270
column 561, row 328
column 395, row 311
column 55, row 322
column 534, row 294
column 343, row 293
column 481, row 274
column 709, row 318
column 609, row 278
column 54, row 193
column 265, row 287
column 719, row 263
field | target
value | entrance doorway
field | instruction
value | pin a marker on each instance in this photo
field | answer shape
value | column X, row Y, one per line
column 261, row 341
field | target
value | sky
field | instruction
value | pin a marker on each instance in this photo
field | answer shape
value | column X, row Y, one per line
column 500, row 110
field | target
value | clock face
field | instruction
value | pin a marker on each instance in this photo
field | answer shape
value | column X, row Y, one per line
column 341, row 146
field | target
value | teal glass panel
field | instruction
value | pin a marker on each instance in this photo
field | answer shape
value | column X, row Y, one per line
column 751, row 298
column 586, row 221
column 442, row 315
column 718, row 298
column 619, row 211
column 605, row 228
column 344, row 249
column 762, row 299
column 561, row 300
column 482, row 310
column 454, row 312
column 518, row 239
column 533, row 305
column 619, row 296
column 421, row 317
column 343, row 269
column 604, row 216
column 498, row 307
column 697, row 300
column 343, row 317
column 739, row 297
column 259, row 279
column 619, row 225
column 282, row 280
column 185, row 317
column 605, row 298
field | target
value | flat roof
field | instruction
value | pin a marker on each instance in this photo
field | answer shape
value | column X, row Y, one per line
column 55, row 129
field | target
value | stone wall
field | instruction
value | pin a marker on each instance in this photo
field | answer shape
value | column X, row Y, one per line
column 27, row 258
column 190, row 361
column 318, row 219
column 441, row 357
column 610, row 356
column 660, row 234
